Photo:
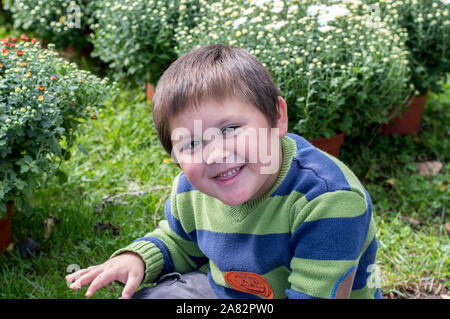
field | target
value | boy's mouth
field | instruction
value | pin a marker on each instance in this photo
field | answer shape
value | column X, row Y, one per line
column 229, row 174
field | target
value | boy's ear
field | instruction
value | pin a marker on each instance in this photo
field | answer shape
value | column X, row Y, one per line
column 282, row 117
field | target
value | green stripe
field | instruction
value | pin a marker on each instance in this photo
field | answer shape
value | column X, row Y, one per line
column 363, row 293
column 273, row 217
column 277, row 279
column 317, row 277
column 370, row 235
column 329, row 205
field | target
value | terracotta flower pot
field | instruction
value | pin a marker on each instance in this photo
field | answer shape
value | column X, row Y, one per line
column 5, row 228
column 408, row 122
column 150, row 92
column 330, row 145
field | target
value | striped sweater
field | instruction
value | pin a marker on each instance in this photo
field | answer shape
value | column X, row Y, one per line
column 304, row 237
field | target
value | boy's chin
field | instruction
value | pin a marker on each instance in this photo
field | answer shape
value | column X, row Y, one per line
column 233, row 200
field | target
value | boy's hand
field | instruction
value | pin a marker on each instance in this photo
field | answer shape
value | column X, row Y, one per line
column 128, row 268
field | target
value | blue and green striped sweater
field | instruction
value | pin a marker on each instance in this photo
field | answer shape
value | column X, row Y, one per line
column 311, row 230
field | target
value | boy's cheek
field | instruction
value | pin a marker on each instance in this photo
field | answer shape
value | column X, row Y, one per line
column 192, row 171
column 246, row 146
column 257, row 148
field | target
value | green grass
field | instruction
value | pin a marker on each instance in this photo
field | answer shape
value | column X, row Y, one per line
column 124, row 181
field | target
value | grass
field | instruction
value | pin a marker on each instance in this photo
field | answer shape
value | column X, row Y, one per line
column 115, row 194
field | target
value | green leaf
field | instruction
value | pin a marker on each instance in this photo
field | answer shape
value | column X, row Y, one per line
column 335, row 82
column 346, row 123
column 2, row 209
column 83, row 150
column 62, row 177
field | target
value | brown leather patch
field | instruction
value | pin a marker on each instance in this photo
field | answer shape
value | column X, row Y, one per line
column 249, row 282
column 345, row 287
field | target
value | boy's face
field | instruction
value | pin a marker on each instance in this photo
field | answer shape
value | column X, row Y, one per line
column 227, row 149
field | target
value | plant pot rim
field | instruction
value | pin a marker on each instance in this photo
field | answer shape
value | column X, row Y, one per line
column 330, row 145
column 5, row 228
column 339, row 135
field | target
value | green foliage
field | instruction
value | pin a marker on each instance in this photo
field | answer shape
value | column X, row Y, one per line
column 338, row 70
column 43, row 100
column 427, row 23
column 135, row 37
column 62, row 22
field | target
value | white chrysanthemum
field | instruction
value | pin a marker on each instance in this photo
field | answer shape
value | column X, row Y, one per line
column 239, row 21
column 260, row 3
column 326, row 14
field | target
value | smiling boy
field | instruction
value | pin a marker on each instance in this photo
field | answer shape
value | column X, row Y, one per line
column 256, row 212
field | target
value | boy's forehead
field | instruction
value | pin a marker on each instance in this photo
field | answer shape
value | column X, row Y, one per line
column 206, row 111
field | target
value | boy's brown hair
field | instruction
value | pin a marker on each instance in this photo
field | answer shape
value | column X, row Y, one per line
column 217, row 71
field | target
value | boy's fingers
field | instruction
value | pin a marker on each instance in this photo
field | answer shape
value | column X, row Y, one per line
column 85, row 278
column 78, row 274
column 131, row 285
column 100, row 281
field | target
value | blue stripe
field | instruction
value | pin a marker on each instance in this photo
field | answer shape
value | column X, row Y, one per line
column 168, row 263
column 299, row 140
column 183, row 184
column 174, row 223
column 340, row 238
column 368, row 258
column 368, row 200
column 340, row 280
column 200, row 261
column 312, row 173
column 228, row 293
column 294, row 294
column 378, row 294
column 245, row 252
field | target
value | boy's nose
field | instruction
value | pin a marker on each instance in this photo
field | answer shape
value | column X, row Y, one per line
column 217, row 155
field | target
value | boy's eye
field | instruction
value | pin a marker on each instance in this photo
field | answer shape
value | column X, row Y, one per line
column 190, row 146
column 230, row 130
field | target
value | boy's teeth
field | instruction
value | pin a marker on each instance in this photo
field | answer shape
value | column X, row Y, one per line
column 234, row 170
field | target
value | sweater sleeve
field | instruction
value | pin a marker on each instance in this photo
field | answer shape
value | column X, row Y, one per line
column 328, row 237
column 168, row 248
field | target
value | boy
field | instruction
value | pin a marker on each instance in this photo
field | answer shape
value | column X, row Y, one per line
column 261, row 211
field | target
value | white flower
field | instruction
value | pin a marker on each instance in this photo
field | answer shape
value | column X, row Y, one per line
column 293, row 8
column 445, row 1
column 325, row 28
column 327, row 13
column 260, row 3
column 278, row 6
column 313, row 10
column 280, row 24
column 239, row 21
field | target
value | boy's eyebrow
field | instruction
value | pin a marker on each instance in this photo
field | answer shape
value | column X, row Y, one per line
column 224, row 121
column 218, row 124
